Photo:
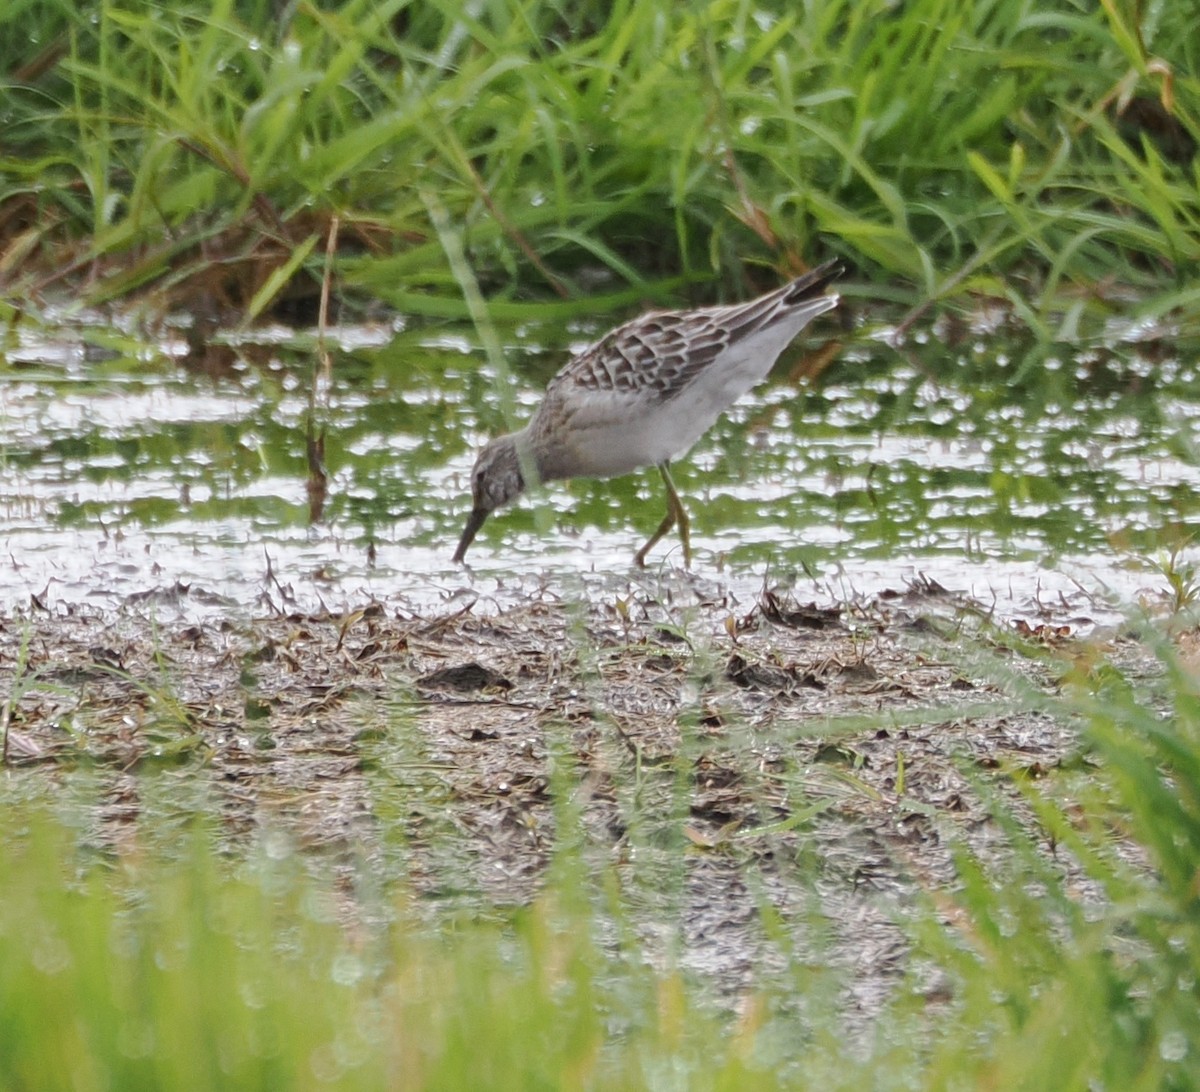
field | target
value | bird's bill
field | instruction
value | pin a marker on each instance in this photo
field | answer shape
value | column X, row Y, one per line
column 474, row 522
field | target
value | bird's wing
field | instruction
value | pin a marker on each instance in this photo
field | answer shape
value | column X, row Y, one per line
column 657, row 354
column 661, row 353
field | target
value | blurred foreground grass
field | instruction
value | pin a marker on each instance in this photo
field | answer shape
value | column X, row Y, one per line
column 1071, row 968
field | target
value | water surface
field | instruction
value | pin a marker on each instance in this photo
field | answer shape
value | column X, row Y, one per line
column 1033, row 478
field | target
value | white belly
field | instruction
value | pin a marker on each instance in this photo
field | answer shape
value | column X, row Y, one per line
column 615, row 434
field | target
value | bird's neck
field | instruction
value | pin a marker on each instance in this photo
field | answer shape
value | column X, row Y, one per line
column 526, row 455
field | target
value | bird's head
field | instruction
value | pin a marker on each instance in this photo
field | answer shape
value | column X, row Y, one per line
column 495, row 481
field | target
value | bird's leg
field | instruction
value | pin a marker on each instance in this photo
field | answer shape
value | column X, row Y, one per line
column 675, row 515
column 681, row 517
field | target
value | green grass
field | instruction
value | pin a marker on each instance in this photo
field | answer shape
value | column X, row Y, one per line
column 597, row 155
column 574, row 158
column 1072, row 969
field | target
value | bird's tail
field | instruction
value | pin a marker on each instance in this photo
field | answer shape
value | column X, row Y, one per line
column 813, row 283
column 794, row 304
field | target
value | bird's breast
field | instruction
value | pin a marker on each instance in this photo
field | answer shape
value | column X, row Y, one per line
column 610, row 435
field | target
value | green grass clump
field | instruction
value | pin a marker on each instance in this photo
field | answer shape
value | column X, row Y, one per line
column 209, row 152
column 153, row 975
column 1080, row 967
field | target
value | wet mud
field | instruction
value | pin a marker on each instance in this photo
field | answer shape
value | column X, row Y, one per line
column 758, row 781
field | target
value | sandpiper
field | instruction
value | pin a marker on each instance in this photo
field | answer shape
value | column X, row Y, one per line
column 644, row 394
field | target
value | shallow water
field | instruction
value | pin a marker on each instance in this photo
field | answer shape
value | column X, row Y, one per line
column 135, row 468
